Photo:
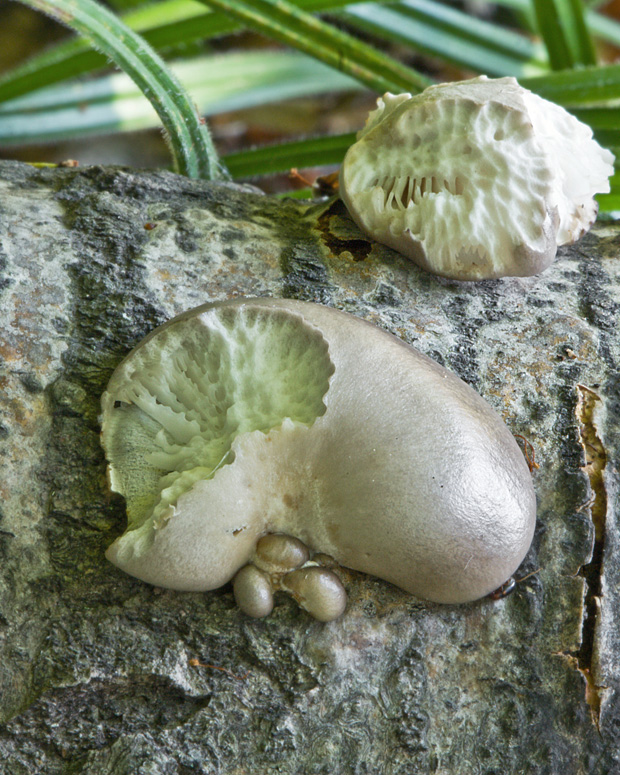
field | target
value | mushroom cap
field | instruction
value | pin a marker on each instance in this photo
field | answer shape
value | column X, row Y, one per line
column 257, row 416
column 474, row 179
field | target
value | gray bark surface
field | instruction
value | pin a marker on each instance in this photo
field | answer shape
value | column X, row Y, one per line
column 105, row 675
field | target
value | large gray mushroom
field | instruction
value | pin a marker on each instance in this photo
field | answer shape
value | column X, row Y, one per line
column 244, row 419
column 475, row 179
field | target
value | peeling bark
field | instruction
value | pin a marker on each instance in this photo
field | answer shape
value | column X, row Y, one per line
column 102, row 674
column 595, row 461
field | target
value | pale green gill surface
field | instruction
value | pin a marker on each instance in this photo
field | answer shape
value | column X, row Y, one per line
column 179, row 401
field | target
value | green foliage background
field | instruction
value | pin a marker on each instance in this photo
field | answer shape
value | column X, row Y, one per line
column 552, row 46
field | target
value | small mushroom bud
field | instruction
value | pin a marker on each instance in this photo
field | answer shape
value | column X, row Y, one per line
column 278, row 553
column 253, row 592
column 317, row 590
column 475, row 179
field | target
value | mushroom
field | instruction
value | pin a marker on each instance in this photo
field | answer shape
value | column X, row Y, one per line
column 475, row 179
column 271, row 441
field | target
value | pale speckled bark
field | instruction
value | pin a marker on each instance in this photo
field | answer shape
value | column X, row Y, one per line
column 95, row 667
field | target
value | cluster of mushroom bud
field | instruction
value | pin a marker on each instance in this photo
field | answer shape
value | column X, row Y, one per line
column 474, row 179
column 282, row 563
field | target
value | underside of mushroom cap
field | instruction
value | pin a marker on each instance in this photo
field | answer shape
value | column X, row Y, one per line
column 474, row 179
column 175, row 414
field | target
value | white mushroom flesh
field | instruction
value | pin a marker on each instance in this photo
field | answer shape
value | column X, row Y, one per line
column 475, row 179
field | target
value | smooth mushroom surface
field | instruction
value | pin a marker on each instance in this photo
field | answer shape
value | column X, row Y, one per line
column 273, row 440
column 474, row 179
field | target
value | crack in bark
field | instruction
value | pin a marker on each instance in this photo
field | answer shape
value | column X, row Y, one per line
column 358, row 247
column 595, row 462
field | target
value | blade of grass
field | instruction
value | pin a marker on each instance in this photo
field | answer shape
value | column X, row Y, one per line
column 565, row 33
column 524, row 16
column 286, row 23
column 113, row 103
column 431, row 28
column 586, row 86
column 269, row 159
column 609, row 203
column 472, row 28
column 299, row 193
column 604, row 27
column 600, row 119
column 188, row 137
column 608, row 138
column 600, row 26
column 488, row 35
column 146, row 17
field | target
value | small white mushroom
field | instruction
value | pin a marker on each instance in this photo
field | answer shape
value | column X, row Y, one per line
column 259, row 416
column 475, row 179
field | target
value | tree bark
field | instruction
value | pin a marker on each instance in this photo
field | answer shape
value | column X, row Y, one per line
column 105, row 675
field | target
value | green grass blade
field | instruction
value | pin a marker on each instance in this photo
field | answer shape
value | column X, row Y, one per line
column 581, row 87
column 65, row 60
column 471, row 28
column 578, row 32
column 269, row 159
column 188, row 137
column 113, row 103
column 565, row 33
column 607, row 118
column 147, row 17
column 609, row 203
column 524, row 14
column 600, row 26
column 286, row 23
column 298, row 193
column 604, row 27
column 438, row 30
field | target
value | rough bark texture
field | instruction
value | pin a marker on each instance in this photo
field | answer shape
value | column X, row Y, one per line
column 102, row 674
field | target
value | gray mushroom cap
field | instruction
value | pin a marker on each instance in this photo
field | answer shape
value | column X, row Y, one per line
column 257, row 416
